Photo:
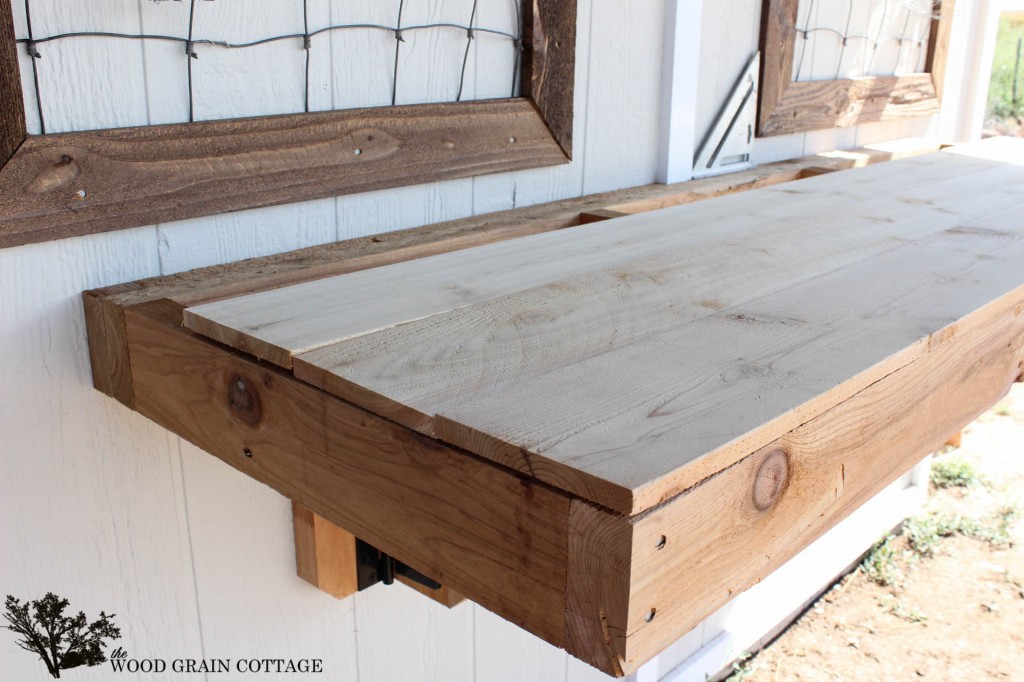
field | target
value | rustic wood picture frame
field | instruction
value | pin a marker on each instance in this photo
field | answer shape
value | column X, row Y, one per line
column 792, row 107
column 67, row 184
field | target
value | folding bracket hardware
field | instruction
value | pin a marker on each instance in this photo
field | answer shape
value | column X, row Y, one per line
column 374, row 566
column 727, row 146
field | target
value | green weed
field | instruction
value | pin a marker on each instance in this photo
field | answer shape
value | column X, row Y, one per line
column 953, row 471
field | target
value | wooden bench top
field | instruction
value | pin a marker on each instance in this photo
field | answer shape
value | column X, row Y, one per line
column 601, row 433
column 627, row 361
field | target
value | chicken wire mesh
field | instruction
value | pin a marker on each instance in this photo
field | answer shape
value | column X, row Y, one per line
column 838, row 39
column 197, row 42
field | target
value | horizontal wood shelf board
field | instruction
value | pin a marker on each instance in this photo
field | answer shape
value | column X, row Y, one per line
column 226, row 280
column 138, row 176
column 421, row 365
column 338, row 308
column 108, row 348
column 562, row 379
column 632, row 427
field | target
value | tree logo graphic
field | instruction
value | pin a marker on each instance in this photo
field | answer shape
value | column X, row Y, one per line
column 61, row 641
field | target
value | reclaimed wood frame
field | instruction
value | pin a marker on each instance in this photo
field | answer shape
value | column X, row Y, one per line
column 67, row 184
column 787, row 106
column 605, row 586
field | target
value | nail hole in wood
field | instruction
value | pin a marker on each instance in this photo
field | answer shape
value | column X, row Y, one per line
column 649, row 616
column 512, row 140
column 247, row 452
column 661, row 542
column 358, row 152
column 81, row 194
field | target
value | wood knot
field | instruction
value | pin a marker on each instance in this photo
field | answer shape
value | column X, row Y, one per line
column 54, row 176
column 771, row 479
column 244, row 400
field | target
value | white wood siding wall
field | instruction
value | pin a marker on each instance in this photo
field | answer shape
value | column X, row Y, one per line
column 111, row 511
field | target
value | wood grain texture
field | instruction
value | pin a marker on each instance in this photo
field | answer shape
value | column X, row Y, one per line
column 487, row 533
column 597, row 591
column 631, row 427
column 108, row 346
column 778, row 38
column 690, row 556
column 549, row 39
column 817, row 105
column 460, row 363
column 413, row 371
column 267, row 324
column 137, row 176
column 12, row 108
column 325, row 554
column 104, row 308
column 257, row 274
column 938, row 45
column 789, row 107
column 444, row 595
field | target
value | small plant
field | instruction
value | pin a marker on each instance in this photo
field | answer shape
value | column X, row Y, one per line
column 996, row 530
column 953, row 471
column 897, row 608
column 881, row 563
column 924, row 533
column 741, row 667
column 1003, row 409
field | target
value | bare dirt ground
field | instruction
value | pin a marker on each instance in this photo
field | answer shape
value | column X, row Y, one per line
column 944, row 600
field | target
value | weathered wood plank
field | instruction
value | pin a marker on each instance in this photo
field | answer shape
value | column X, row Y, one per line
column 778, row 37
column 486, row 532
column 12, row 107
column 816, row 105
column 138, row 176
column 634, row 426
column 691, row 555
column 788, row 107
column 267, row 326
column 325, row 554
column 410, row 371
column 549, row 40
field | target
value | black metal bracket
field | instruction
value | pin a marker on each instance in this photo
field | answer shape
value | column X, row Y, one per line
column 374, row 566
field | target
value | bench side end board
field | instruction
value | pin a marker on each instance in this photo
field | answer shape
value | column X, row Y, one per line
column 638, row 584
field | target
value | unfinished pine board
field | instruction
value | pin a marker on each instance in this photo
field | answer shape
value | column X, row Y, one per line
column 108, row 347
column 409, row 371
column 270, row 326
column 640, row 367
column 325, row 555
column 632, row 427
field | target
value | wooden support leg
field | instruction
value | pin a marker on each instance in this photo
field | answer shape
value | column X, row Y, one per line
column 325, row 557
column 325, row 554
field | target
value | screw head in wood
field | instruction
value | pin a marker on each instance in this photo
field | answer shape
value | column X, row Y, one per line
column 771, row 479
